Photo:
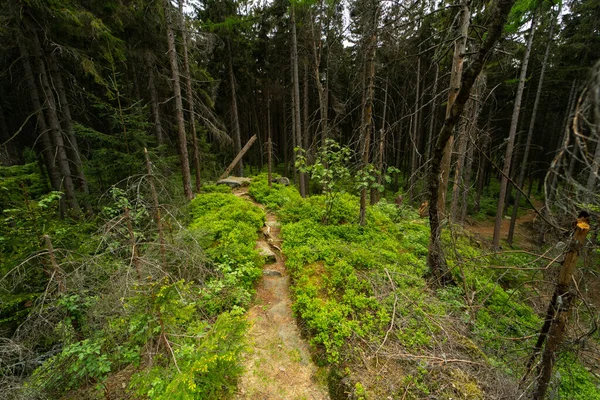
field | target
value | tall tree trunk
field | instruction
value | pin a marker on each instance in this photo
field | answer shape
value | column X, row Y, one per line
column 551, row 178
column 498, row 13
column 414, row 159
column 593, row 174
column 559, row 311
column 460, row 46
column 463, row 140
column 45, row 145
column 55, row 129
column 235, row 119
column 270, row 142
column 67, row 124
column 432, row 119
column 154, row 99
column 305, row 125
column 190, row 97
column 367, row 113
column 511, row 136
column 381, row 147
column 525, row 159
column 462, row 175
column 322, row 91
column 296, row 95
column 183, row 151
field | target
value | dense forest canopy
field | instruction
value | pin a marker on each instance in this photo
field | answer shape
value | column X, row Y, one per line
column 117, row 118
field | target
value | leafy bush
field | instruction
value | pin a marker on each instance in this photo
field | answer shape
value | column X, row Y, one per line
column 273, row 197
column 211, row 188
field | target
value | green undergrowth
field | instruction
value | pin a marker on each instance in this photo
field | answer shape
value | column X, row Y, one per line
column 347, row 280
column 183, row 337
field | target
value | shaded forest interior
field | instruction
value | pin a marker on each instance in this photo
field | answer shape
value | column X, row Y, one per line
column 117, row 118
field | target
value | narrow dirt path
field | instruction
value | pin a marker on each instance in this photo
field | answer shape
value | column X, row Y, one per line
column 278, row 364
column 524, row 234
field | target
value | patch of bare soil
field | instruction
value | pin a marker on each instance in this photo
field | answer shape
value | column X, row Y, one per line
column 524, row 232
column 278, row 364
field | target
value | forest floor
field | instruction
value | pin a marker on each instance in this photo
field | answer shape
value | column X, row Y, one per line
column 524, row 232
column 278, row 363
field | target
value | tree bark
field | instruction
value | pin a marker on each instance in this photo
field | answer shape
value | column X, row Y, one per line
column 270, row 142
column 525, row 159
column 430, row 140
column 460, row 46
column 414, row 159
column 562, row 306
column 45, row 146
column 462, row 175
column 190, row 97
column 183, row 151
column 55, row 129
column 296, row 95
column 322, row 91
column 305, row 124
column 367, row 114
column 235, row 119
column 67, row 124
column 381, row 151
column 511, row 136
column 436, row 259
column 154, row 99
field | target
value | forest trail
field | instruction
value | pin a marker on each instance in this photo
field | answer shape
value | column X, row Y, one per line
column 278, row 364
column 524, row 232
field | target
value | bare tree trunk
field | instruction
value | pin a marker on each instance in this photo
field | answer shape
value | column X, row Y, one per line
column 322, row 91
column 561, row 309
column 270, row 143
column 67, row 124
column 190, row 97
column 55, row 129
column 536, row 103
column 381, row 151
column 558, row 161
column 463, row 139
column 462, row 174
column 593, row 175
column 235, row 119
column 498, row 13
column 305, row 125
column 296, row 95
column 430, row 142
column 183, row 151
column 467, row 179
column 45, row 145
column 511, row 136
column 154, row 99
column 367, row 114
column 414, row 159
column 460, row 46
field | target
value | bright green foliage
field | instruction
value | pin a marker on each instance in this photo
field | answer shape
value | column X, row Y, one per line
column 331, row 170
column 210, row 188
column 226, row 226
column 195, row 326
column 576, row 382
column 335, row 268
column 334, row 265
column 274, row 197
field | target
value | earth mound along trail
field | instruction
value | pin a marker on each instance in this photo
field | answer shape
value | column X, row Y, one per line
column 278, row 363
